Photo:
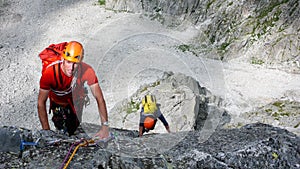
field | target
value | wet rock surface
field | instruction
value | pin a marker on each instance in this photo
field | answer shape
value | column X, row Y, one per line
column 251, row 146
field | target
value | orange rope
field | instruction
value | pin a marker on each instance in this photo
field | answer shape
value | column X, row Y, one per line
column 85, row 143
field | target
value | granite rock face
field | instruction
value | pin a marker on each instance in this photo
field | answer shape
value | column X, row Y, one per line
column 184, row 103
column 258, row 32
column 252, row 146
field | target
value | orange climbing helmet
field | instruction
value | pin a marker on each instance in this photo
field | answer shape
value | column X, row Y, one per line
column 149, row 122
column 73, row 52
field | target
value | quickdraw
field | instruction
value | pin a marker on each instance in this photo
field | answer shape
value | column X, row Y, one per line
column 25, row 143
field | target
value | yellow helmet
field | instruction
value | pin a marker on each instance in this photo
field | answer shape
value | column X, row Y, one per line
column 73, row 52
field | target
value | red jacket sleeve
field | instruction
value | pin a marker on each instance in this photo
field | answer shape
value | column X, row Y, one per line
column 46, row 79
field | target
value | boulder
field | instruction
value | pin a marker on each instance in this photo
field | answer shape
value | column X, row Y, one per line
column 184, row 103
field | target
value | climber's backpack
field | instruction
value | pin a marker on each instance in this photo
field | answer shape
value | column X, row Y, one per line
column 51, row 54
column 149, row 104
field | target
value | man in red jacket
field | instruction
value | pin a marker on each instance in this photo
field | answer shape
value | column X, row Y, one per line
column 63, row 82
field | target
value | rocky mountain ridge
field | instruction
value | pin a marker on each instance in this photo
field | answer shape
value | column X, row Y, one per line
column 252, row 146
column 263, row 34
column 257, row 32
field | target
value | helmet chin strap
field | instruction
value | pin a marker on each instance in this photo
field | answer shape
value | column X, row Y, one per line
column 74, row 69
